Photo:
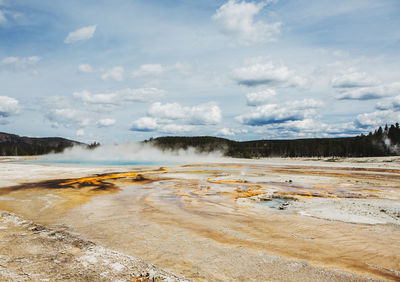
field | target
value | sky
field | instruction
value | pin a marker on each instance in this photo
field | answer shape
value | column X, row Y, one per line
column 120, row 71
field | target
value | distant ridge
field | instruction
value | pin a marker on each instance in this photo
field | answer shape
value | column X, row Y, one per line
column 383, row 142
column 14, row 145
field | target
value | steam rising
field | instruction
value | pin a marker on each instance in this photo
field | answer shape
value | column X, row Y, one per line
column 394, row 149
column 131, row 153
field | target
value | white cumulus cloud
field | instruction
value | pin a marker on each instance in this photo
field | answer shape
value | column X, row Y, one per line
column 8, row 106
column 145, row 124
column 377, row 118
column 174, row 128
column 230, row 131
column 351, row 84
column 276, row 114
column 353, row 79
column 155, row 70
column 307, row 125
column 114, row 74
column 100, row 98
column 85, row 68
column 368, row 93
column 307, row 128
column 238, row 19
column 149, row 70
column 390, row 104
column 68, row 117
column 106, row 122
column 80, row 132
column 167, row 111
column 267, row 74
column 143, row 95
column 208, row 113
column 260, row 97
column 19, row 63
column 119, row 97
column 150, row 124
column 81, row 34
column 175, row 118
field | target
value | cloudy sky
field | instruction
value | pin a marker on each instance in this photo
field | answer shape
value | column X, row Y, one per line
column 116, row 71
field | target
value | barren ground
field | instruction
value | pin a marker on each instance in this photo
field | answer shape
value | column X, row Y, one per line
column 272, row 219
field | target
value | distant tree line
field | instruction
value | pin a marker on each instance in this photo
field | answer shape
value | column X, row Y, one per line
column 14, row 145
column 382, row 142
column 93, row 145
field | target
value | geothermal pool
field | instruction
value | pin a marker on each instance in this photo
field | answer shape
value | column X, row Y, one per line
column 273, row 219
column 75, row 162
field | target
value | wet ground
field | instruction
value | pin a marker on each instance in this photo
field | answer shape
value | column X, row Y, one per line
column 250, row 220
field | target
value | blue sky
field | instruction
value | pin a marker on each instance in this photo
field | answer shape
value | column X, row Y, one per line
column 118, row 71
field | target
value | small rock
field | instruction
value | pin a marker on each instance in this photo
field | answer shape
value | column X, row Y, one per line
column 37, row 228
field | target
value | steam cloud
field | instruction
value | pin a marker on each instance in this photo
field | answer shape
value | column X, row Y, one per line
column 132, row 153
column 392, row 148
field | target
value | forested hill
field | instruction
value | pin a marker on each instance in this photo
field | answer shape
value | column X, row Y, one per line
column 14, row 145
column 383, row 142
